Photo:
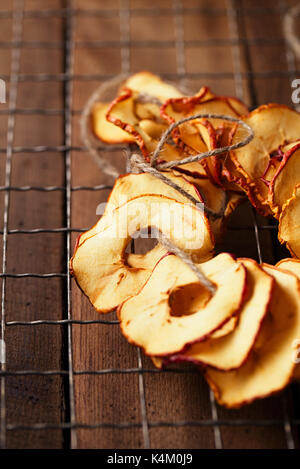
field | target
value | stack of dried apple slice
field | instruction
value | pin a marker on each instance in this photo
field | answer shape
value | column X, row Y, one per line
column 245, row 343
column 244, row 340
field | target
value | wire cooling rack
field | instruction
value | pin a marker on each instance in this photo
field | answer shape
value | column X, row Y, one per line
column 215, row 421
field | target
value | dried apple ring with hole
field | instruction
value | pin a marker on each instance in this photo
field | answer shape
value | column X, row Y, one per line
column 231, row 350
column 100, row 264
column 174, row 310
column 271, row 365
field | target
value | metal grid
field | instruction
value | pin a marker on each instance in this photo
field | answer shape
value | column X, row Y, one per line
column 69, row 13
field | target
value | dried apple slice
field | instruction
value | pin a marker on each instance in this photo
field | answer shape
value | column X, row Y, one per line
column 173, row 309
column 292, row 265
column 106, row 131
column 121, row 113
column 230, row 177
column 273, row 126
column 147, row 83
column 270, row 366
column 228, row 327
column 214, row 198
column 157, row 362
column 233, row 179
column 285, row 179
column 131, row 185
column 289, row 224
column 232, row 349
column 238, row 106
column 233, row 201
column 263, row 202
column 153, row 129
column 175, row 109
column 100, row 265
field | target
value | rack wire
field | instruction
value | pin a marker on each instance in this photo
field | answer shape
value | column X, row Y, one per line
column 69, row 14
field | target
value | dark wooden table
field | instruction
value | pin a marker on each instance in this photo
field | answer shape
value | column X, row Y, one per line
column 54, row 53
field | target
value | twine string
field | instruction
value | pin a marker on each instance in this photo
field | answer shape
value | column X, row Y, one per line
column 137, row 164
column 85, row 126
column 170, row 246
column 199, row 156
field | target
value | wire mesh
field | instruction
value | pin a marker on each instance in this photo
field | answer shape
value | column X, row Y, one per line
column 69, row 14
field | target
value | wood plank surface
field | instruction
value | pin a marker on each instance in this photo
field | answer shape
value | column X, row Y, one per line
column 115, row 398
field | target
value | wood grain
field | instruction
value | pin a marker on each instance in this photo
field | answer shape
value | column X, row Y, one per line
column 114, row 398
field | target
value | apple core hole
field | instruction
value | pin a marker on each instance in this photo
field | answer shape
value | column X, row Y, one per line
column 188, row 299
column 140, row 244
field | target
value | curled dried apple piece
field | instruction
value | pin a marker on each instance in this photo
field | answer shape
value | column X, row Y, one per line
column 263, row 190
column 100, row 264
column 121, row 113
column 289, row 223
column 232, row 349
column 285, row 179
column 174, row 309
column 233, row 201
column 231, row 178
column 106, row 131
column 271, row 365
